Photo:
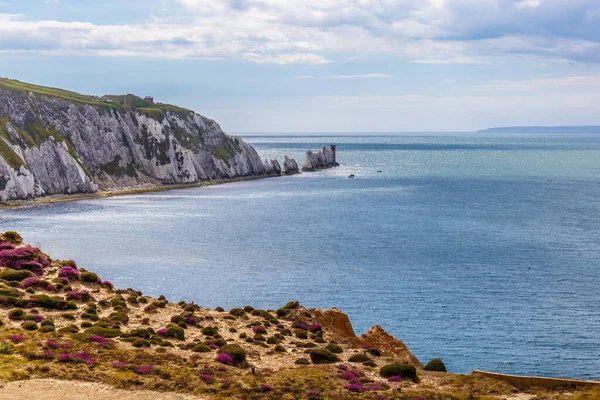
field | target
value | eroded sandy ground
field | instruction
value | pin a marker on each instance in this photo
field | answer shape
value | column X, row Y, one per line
column 50, row 389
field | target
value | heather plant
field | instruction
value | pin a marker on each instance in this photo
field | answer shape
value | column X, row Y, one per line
column 11, row 237
column 358, row 358
column 16, row 315
column 323, row 356
column 399, row 369
column 30, row 282
column 6, row 348
column 266, row 388
column 394, row 378
column 30, row 326
column 89, row 277
column 356, row 387
column 82, row 295
column 145, row 369
column 16, row 276
column 334, row 348
column 259, row 329
column 315, row 327
column 208, row 379
column 24, row 258
column 119, row 365
column 16, row 338
column 68, row 272
column 237, row 352
column 225, row 358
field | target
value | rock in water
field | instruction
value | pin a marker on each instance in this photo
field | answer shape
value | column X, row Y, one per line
column 322, row 159
column 58, row 142
column 272, row 167
column 290, row 166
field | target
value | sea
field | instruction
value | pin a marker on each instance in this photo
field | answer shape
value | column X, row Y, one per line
column 479, row 249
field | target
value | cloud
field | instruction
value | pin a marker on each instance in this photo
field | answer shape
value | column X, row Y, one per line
column 322, row 31
column 585, row 81
column 360, row 76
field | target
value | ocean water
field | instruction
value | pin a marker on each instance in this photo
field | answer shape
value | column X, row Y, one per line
column 483, row 250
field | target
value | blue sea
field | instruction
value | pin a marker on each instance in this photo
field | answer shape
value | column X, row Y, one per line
column 482, row 250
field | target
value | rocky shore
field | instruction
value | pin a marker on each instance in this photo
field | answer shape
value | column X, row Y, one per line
column 322, row 159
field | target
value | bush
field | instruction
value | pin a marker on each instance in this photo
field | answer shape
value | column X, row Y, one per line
column 69, row 329
column 119, row 318
column 399, row 369
column 176, row 332
column 104, row 332
column 210, row 331
column 358, row 358
column 272, row 340
column 435, row 365
column 280, row 349
column 86, row 324
column 69, row 272
column 301, row 334
column 16, row 315
column 89, row 277
column 201, row 348
column 53, row 303
column 292, row 305
column 334, row 348
column 323, row 356
column 248, row 309
column 302, row 361
column 30, row 326
column 237, row 312
column 237, row 352
column 11, row 237
column 139, row 343
column 16, row 276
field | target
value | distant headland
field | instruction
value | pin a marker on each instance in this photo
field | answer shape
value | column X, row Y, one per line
column 543, row 129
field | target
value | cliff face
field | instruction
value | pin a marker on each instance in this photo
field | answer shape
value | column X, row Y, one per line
column 58, row 142
column 322, row 159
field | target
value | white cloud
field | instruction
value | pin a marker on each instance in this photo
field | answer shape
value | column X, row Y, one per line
column 360, row 76
column 585, row 81
column 318, row 31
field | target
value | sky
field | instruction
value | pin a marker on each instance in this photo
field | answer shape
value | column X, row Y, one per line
column 321, row 65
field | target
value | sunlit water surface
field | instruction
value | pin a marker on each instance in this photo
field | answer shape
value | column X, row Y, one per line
column 481, row 250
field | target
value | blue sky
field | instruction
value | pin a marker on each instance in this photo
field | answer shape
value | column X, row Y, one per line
column 321, row 65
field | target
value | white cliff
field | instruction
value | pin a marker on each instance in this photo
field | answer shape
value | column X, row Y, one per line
column 57, row 142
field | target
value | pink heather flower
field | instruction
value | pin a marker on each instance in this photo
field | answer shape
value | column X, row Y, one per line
column 213, row 346
column 395, row 378
column 29, row 282
column 67, row 345
column 51, row 344
column 266, row 388
column 356, row 387
column 144, row 369
column 108, row 285
column 68, row 273
column 191, row 320
column 16, row 338
column 119, row 365
column 208, row 379
column 226, row 382
column 315, row 327
column 225, row 358
column 49, row 355
column 97, row 339
column 379, row 386
column 259, row 329
column 343, row 367
column 39, row 318
column 162, row 332
column 65, row 357
column 348, row 376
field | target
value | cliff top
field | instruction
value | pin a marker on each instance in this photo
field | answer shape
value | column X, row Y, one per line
column 111, row 101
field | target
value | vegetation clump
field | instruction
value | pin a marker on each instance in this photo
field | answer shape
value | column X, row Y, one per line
column 237, row 352
column 402, row 370
column 435, row 365
column 323, row 356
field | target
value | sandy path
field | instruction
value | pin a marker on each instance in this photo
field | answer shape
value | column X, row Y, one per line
column 50, row 389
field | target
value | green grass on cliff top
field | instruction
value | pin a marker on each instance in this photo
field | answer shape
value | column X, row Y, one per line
column 110, row 101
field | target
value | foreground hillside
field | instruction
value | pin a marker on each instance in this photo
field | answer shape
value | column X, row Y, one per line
column 59, row 322
column 58, row 142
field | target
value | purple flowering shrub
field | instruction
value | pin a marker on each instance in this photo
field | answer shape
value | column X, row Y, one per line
column 145, row 369
column 30, row 282
column 299, row 325
column 51, row 344
column 82, row 295
column 259, row 330
column 29, row 258
column 356, row 387
column 225, row 358
column 207, row 378
column 97, row 339
column 65, row 357
column 68, row 273
column 119, row 365
column 266, row 388
column 395, row 378
column 315, row 327
column 16, row 338
column 163, row 332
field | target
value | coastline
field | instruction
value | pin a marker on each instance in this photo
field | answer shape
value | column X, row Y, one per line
column 64, row 198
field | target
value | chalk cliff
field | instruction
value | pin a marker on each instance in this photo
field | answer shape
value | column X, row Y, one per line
column 322, row 159
column 58, row 142
column 290, row 166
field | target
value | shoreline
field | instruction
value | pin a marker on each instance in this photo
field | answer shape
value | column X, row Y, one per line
column 65, row 198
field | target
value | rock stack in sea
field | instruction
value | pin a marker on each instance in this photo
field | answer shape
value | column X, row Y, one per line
column 322, row 159
column 290, row 166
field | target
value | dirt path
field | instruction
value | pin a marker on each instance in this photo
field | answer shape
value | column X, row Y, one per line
column 50, row 389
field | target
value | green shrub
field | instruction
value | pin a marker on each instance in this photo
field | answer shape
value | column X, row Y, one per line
column 104, row 332
column 301, row 334
column 282, row 312
column 262, row 313
column 399, row 369
column 237, row 312
column 248, row 309
column 9, row 292
column 201, row 348
column 237, row 352
column 302, row 361
column 220, row 309
column 69, row 329
column 272, row 340
column 243, row 335
column 435, row 365
column 374, row 352
column 89, row 277
column 280, row 349
column 139, row 343
column 358, row 358
column 292, row 305
column 210, row 331
column 16, row 276
column 232, row 330
column 89, row 316
column 30, row 326
column 16, row 315
column 11, row 237
column 259, row 337
column 334, row 348
column 86, row 324
column 119, row 318
column 323, row 356
column 176, row 332
column 6, row 348
column 370, row 363
column 141, row 333
column 68, row 316
column 53, row 303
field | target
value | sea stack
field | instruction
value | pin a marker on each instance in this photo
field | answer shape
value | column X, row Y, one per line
column 322, row 159
column 290, row 166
